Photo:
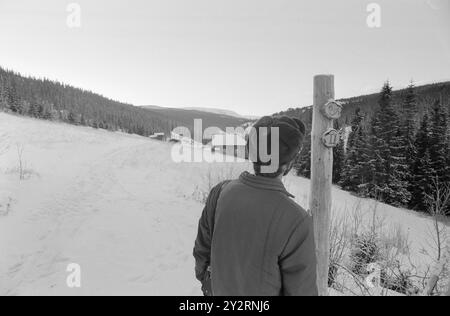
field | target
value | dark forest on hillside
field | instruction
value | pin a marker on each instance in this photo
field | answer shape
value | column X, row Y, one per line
column 45, row 99
column 51, row 100
column 187, row 117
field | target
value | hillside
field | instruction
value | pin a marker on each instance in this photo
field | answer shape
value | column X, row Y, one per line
column 52, row 100
column 222, row 111
column 117, row 205
column 187, row 116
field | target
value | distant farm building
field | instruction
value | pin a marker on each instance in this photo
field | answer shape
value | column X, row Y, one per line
column 177, row 138
column 158, row 136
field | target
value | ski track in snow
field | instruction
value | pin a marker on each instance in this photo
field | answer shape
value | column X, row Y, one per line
column 116, row 205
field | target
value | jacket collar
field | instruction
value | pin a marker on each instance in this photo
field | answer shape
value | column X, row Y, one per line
column 264, row 183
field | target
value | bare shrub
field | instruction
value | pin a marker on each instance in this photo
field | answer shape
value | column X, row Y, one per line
column 395, row 241
column 378, row 255
column 5, row 206
column 437, row 204
column 21, row 169
column 365, row 250
column 345, row 226
column 339, row 243
column 213, row 177
column 20, row 161
column 396, row 277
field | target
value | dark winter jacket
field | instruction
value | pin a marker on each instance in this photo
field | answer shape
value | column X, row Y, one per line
column 259, row 242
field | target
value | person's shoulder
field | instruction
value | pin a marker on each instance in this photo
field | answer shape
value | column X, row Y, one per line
column 293, row 210
column 292, row 217
column 219, row 186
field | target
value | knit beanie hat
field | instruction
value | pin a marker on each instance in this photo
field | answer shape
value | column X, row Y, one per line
column 291, row 132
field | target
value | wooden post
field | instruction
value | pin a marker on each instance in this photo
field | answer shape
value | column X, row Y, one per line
column 322, row 142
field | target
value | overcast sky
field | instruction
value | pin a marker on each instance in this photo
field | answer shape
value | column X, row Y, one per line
column 251, row 56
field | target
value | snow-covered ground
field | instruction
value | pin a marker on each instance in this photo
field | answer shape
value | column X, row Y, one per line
column 117, row 205
column 417, row 228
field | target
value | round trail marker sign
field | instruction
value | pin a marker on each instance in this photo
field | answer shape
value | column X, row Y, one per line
column 332, row 109
column 331, row 138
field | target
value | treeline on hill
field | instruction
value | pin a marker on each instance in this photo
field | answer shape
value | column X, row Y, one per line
column 51, row 100
column 397, row 154
column 187, row 117
column 368, row 104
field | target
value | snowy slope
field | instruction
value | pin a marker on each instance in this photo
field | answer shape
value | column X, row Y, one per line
column 115, row 204
column 417, row 227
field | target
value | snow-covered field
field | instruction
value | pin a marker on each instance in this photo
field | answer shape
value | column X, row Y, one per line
column 118, row 206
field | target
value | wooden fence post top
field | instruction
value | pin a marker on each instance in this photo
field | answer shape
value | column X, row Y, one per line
column 318, row 79
column 323, row 75
column 323, row 85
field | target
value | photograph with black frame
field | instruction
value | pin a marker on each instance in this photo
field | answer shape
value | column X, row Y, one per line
column 223, row 153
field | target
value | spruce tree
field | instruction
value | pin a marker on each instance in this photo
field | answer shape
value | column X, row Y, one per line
column 303, row 164
column 370, row 161
column 409, row 110
column 12, row 99
column 350, row 178
column 385, row 164
column 400, row 171
column 422, row 171
column 338, row 158
column 47, row 112
column 35, row 109
column 2, row 93
column 438, row 143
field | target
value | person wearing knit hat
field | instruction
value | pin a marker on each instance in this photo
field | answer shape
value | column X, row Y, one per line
column 253, row 238
column 280, row 151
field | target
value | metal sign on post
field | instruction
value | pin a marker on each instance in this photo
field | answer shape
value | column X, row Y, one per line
column 323, row 139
